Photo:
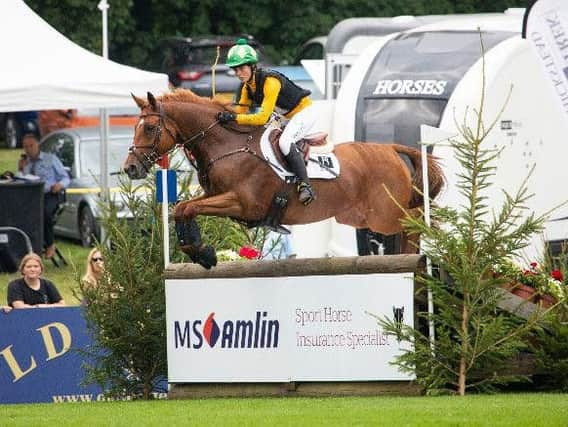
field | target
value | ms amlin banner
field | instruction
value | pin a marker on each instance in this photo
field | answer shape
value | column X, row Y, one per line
column 280, row 329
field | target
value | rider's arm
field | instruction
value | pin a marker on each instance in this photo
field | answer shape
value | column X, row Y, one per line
column 271, row 90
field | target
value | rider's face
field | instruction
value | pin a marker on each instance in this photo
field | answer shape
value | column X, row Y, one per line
column 243, row 72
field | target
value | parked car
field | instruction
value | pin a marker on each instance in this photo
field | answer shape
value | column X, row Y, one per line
column 79, row 149
column 188, row 62
column 314, row 48
column 15, row 125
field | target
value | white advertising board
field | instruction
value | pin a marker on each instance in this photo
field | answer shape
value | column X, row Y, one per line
column 279, row 329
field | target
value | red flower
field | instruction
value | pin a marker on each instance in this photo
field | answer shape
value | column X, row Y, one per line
column 248, row 252
column 557, row 274
column 529, row 273
column 534, row 265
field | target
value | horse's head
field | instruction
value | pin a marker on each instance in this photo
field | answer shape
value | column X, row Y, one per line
column 157, row 132
column 154, row 135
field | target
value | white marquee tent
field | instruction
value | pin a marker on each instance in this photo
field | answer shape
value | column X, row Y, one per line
column 42, row 69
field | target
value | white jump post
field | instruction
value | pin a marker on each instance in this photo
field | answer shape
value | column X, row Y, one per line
column 164, row 163
column 426, row 192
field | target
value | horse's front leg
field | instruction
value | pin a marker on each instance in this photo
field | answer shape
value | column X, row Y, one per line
column 187, row 229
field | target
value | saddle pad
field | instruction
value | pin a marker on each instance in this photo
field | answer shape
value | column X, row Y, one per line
column 316, row 160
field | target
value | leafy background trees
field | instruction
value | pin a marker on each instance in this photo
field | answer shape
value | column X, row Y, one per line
column 136, row 25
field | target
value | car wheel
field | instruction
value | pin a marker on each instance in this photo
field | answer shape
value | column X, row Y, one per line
column 87, row 227
column 11, row 133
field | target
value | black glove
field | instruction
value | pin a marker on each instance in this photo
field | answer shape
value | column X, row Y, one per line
column 226, row 117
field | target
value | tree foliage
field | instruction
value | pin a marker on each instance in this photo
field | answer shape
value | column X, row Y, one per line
column 135, row 26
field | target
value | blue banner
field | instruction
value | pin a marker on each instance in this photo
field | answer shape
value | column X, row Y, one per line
column 39, row 357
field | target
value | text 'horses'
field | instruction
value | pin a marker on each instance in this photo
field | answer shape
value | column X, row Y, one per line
column 239, row 183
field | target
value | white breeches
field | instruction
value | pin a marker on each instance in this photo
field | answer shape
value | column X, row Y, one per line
column 301, row 125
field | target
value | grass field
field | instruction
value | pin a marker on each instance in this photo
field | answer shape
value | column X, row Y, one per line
column 64, row 278
column 9, row 159
column 488, row 410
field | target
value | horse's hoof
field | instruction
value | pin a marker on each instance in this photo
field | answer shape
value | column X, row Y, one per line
column 203, row 255
column 207, row 257
column 191, row 252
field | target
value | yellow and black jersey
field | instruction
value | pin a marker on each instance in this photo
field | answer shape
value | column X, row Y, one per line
column 269, row 91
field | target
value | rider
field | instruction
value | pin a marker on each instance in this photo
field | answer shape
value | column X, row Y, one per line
column 267, row 91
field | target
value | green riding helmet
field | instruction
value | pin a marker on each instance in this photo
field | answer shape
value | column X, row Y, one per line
column 240, row 54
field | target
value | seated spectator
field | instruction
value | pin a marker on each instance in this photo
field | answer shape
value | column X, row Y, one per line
column 95, row 269
column 278, row 246
column 94, row 273
column 51, row 171
column 31, row 291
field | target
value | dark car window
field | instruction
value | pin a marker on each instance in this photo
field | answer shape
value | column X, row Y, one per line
column 313, row 50
column 182, row 53
column 62, row 146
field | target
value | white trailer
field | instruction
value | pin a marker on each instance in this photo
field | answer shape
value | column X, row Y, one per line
column 427, row 76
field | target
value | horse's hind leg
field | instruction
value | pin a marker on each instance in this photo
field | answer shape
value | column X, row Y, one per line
column 187, row 229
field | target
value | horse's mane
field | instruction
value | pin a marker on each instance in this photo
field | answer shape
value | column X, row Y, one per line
column 186, row 95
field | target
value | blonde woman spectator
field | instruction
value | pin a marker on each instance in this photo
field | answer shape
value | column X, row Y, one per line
column 32, row 291
column 95, row 269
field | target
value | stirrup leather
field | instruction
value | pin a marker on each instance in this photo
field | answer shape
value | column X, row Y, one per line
column 306, row 193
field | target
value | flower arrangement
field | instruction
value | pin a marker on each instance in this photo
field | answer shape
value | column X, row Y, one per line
column 246, row 252
column 551, row 283
column 249, row 252
column 536, row 276
column 227, row 255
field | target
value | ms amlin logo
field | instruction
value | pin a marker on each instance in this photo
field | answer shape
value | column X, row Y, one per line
column 259, row 332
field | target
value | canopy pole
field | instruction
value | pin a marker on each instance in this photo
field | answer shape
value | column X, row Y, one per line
column 104, row 126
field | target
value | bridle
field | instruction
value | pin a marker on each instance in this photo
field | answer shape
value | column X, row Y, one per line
column 151, row 154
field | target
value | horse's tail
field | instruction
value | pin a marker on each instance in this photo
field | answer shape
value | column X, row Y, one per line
column 436, row 179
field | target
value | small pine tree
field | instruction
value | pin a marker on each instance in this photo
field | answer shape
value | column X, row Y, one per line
column 126, row 311
column 473, row 338
column 551, row 351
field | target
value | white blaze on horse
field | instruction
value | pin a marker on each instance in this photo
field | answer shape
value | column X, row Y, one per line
column 240, row 182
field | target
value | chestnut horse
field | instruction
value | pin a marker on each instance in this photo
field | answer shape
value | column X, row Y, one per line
column 239, row 183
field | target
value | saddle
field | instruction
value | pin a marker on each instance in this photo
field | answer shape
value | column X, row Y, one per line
column 316, row 140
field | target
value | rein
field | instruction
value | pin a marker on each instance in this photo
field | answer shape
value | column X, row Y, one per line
column 147, row 159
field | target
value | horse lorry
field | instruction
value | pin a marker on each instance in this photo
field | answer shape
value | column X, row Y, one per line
column 415, row 84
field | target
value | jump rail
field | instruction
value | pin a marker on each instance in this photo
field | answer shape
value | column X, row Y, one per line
column 301, row 267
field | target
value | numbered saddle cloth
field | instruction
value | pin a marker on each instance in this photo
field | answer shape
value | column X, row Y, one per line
column 320, row 165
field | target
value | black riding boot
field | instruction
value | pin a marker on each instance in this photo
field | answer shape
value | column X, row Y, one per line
column 296, row 162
